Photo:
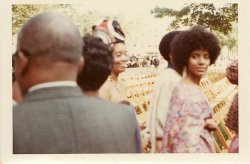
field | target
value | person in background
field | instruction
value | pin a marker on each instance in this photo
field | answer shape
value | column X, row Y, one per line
column 232, row 121
column 189, row 123
column 166, row 81
column 113, row 89
column 55, row 117
column 98, row 65
column 232, row 72
column 111, row 33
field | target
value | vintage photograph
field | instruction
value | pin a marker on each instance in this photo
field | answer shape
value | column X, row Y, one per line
column 89, row 78
column 132, row 81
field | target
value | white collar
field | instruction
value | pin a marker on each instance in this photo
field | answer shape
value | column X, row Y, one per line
column 14, row 103
column 53, row 84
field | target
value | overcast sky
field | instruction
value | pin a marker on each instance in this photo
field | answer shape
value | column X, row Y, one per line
column 144, row 32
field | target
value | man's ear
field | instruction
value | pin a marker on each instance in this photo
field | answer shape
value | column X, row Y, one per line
column 80, row 65
column 21, row 62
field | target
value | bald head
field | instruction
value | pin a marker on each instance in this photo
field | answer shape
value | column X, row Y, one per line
column 50, row 37
column 49, row 49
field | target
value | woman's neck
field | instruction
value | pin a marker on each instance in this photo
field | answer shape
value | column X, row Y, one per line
column 114, row 76
column 191, row 80
column 91, row 93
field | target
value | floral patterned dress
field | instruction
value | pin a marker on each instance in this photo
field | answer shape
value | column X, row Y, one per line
column 184, row 129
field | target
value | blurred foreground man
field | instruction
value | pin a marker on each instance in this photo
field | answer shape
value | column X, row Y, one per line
column 55, row 116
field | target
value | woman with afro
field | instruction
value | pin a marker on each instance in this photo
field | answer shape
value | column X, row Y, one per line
column 189, row 122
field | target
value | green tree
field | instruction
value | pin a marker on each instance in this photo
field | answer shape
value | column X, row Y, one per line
column 230, row 40
column 207, row 15
column 21, row 14
column 83, row 19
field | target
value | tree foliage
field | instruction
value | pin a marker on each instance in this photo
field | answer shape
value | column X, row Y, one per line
column 230, row 40
column 207, row 15
column 84, row 20
column 21, row 13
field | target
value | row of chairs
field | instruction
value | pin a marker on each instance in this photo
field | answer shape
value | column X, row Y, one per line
column 219, row 91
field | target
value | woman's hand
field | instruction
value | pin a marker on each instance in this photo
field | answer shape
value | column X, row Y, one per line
column 210, row 125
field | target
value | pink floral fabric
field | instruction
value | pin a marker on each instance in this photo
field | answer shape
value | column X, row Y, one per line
column 234, row 146
column 184, row 129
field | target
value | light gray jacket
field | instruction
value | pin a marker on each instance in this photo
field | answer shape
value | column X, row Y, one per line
column 63, row 120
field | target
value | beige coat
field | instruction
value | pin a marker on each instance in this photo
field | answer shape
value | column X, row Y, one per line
column 166, row 82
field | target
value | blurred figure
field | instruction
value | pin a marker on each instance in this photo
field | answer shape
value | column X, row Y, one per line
column 47, row 62
column 166, row 81
column 189, row 120
column 133, row 62
column 98, row 65
column 55, row 116
column 232, row 72
column 232, row 115
column 156, row 62
column 124, row 136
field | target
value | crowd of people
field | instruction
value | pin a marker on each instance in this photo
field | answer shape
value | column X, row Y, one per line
column 69, row 99
column 146, row 61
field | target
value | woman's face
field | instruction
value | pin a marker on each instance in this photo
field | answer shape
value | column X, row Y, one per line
column 198, row 62
column 120, row 58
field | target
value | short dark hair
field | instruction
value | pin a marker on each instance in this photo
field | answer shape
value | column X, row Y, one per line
column 164, row 46
column 197, row 38
column 98, row 64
